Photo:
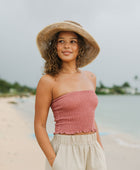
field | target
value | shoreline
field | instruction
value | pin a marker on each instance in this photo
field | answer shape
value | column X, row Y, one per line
column 20, row 150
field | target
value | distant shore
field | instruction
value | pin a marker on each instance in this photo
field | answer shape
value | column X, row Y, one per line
column 29, row 95
column 16, row 89
column 20, row 150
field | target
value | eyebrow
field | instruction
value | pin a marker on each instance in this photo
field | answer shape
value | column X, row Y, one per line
column 70, row 38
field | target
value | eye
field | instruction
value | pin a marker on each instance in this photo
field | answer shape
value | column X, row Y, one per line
column 73, row 41
column 61, row 41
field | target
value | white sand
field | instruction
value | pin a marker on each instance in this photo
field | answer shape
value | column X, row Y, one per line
column 19, row 151
column 122, row 151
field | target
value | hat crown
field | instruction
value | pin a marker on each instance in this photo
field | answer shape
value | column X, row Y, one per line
column 73, row 22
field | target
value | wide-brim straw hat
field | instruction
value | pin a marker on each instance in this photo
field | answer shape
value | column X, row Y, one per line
column 46, row 34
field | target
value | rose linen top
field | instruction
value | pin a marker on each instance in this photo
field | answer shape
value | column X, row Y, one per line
column 74, row 112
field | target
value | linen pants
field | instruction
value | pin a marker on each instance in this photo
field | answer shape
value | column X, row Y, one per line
column 77, row 152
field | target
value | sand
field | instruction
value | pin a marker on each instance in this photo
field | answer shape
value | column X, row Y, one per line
column 20, row 151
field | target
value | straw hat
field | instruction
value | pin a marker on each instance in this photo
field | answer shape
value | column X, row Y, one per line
column 45, row 36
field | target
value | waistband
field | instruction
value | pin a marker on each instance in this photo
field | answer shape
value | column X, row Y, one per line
column 75, row 139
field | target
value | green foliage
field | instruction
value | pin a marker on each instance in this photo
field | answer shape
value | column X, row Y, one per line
column 4, row 86
column 15, row 88
column 101, row 85
column 9, row 89
column 126, row 84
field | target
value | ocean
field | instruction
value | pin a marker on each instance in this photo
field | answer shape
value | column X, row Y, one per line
column 114, row 112
column 120, row 112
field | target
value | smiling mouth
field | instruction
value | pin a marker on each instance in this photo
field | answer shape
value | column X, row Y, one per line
column 67, row 53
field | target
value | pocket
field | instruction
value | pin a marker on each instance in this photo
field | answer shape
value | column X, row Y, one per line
column 99, row 146
column 103, row 158
column 57, row 156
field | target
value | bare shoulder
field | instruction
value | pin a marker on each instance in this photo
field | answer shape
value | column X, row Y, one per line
column 45, row 79
column 90, row 74
column 92, row 77
column 45, row 84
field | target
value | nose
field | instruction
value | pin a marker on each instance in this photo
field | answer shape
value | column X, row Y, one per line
column 66, row 45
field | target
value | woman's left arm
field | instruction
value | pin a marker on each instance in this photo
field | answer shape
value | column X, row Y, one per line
column 98, row 136
column 92, row 77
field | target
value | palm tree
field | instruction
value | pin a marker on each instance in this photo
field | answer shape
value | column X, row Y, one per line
column 136, row 79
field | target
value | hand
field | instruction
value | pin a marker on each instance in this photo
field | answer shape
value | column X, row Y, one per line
column 51, row 161
column 101, row 146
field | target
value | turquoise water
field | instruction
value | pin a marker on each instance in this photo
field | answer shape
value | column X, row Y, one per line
column 120, row 112
column 116, row 112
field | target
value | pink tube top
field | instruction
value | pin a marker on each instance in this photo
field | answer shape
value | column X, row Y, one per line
column 74, row 112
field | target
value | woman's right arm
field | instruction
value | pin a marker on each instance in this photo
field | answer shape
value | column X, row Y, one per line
column 42, row 104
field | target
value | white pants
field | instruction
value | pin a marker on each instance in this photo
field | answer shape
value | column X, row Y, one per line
column 77, row 152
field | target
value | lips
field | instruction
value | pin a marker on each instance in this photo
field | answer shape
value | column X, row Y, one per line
column 66, row 52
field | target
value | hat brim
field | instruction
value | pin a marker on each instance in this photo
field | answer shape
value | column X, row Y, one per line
column 48, row 32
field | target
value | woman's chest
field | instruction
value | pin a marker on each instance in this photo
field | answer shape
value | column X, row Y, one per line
column 64, row 85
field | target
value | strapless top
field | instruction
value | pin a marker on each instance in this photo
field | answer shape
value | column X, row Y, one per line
column 74, row 112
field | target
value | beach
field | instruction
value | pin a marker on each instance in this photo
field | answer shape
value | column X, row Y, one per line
column 19, row 148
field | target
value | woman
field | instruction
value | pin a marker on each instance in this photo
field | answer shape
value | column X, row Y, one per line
column 70, row 92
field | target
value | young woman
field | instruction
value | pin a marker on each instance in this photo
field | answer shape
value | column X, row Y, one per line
column 70, row 92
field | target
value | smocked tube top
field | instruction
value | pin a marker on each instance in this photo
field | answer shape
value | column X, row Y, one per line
column 69, row 93
column 74, row 112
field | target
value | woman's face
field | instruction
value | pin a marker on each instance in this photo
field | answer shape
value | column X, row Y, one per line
column 67, row 46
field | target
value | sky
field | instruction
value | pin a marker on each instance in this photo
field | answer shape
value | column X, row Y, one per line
column 114, row 24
